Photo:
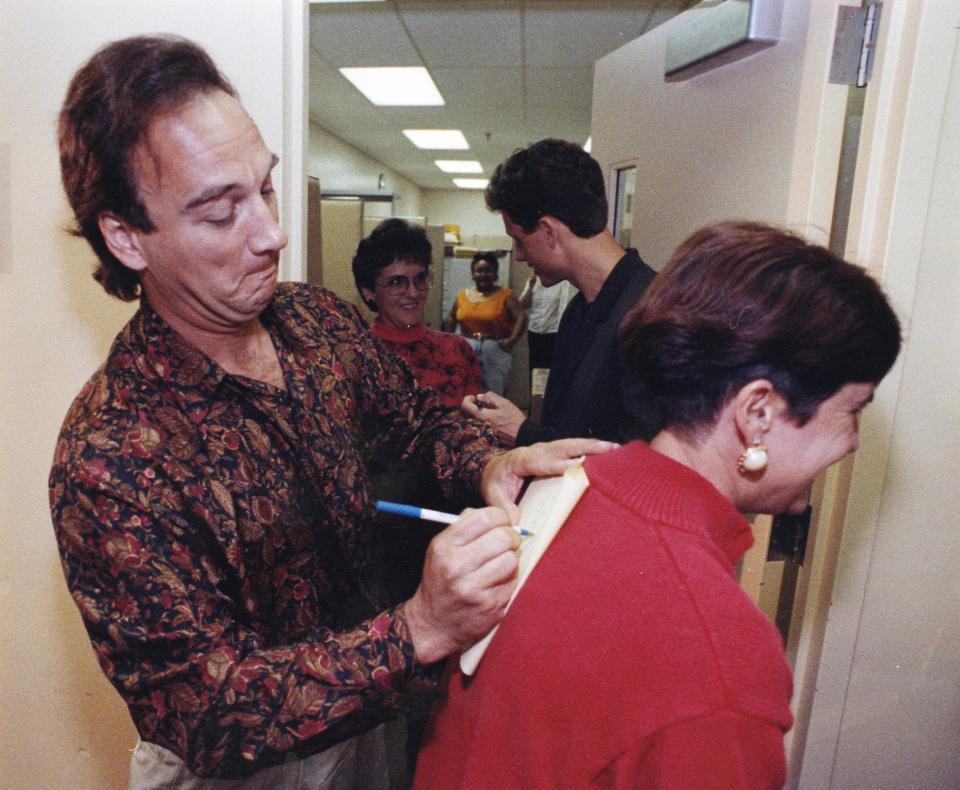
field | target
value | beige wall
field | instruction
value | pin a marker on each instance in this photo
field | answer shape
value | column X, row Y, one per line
column 885, row 711
column 63, row 726
column 463, row 207
column 341, row 167
column 713, row 147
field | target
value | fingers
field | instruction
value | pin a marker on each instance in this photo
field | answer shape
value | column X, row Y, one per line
column 468, row 578
column 473, row 553
column 503, row 476
column 492, row 563
column 549, row 458
column 498, row 412
column 483, row 406
column 473, row 524
column 491, row 400
column 575, row 448
column 502, row 479
column 470, row 406
column 511, row 508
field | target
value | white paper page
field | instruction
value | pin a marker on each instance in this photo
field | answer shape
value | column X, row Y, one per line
column 543, row 510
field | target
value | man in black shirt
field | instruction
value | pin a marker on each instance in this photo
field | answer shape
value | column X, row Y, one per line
column 553, row 202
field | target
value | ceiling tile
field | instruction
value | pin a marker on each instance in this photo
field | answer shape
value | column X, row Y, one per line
column 361, row 35
column 570, row 88
column 465, row 87
column 465, row 33
column 594, row 28
column 511, row 71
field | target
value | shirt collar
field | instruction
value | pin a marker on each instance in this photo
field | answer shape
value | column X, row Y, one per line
column 669, row 492
column 392, row 333
column 293, row 316
column 189, row 377
column 601, row 307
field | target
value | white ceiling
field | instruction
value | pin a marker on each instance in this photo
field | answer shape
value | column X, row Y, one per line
column 511, row 71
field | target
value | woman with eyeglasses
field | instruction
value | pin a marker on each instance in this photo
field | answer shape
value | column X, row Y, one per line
column 392, row 271
column 491, row 319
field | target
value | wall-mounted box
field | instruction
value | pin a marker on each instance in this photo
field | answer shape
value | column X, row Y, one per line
column 722, row 34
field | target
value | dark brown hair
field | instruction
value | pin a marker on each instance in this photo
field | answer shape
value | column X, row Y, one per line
column 740, row 301
column 551, row 178
column 108, row 107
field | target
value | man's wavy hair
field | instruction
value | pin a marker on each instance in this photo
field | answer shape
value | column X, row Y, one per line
column 551, row 178
column 740, row 301
column 108, row 107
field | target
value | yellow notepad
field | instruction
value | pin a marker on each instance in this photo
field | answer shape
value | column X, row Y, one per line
column 543, row 510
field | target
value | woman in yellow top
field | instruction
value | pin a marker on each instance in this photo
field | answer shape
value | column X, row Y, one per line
column 490, row 318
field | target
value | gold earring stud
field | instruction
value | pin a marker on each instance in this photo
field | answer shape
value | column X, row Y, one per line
column 753, row 459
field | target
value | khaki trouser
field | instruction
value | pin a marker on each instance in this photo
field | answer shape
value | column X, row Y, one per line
column 359, row 762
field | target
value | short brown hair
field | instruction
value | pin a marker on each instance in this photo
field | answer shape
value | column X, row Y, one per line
column 110, row 103
column 740, row 301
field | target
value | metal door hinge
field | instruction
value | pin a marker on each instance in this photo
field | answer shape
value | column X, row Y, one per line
column 854, row 44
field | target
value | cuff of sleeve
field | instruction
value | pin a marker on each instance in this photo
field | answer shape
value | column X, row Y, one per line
column 419, row 676
column 526, row 434
column 470, row 474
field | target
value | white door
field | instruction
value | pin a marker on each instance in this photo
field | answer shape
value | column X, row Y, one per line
column 885, row 711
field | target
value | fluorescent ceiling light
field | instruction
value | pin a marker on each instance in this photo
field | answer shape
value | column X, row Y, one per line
column 588, row 145
column 407, row 86
column 458, row 165
column 471, row 183
column 437, row 138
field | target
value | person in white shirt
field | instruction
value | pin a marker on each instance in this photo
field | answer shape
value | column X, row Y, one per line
column 544, row 307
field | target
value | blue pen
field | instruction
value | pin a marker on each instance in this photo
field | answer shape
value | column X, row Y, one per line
column 429, row 515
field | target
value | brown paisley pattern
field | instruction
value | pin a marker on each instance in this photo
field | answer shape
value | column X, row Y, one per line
column 216, row 532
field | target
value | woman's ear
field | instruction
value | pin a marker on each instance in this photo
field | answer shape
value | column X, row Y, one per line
column 756, row 406
column 122, row 240
column 368, row 298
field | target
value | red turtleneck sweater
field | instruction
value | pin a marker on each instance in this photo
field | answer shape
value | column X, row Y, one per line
column 631, row 658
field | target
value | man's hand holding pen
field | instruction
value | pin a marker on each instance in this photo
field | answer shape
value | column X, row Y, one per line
column 468, row 578
column 470, row 568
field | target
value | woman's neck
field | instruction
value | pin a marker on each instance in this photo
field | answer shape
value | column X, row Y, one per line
column 704, row 456
column 482, row 295
column 393, row 330
column 396, row 324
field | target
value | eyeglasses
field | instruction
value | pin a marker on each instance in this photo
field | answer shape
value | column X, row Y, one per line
column 400, row 282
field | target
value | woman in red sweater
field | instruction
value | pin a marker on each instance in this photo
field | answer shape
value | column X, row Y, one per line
column 631, row 658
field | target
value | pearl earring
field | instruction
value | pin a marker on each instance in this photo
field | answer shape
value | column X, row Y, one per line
column 753, row 459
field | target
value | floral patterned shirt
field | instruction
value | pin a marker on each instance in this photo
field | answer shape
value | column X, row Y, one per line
column 442, row 361
column 216, row 532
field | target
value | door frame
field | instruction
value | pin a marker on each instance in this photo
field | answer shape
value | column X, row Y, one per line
column 894, row 172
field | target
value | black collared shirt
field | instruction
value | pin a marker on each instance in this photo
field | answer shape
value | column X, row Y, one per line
column 589, row 391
